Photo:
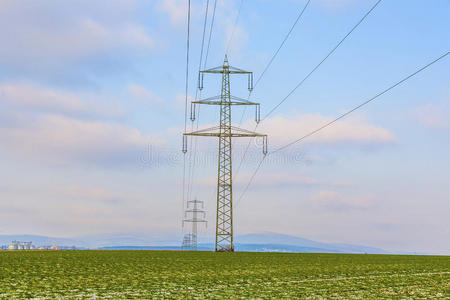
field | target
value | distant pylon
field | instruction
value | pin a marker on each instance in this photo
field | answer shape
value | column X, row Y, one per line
column 193, row 215
column 225, row 131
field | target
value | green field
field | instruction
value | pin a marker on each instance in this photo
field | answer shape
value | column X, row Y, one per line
column 171, row 274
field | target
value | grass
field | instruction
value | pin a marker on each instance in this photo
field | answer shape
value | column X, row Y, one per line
column 172, row 274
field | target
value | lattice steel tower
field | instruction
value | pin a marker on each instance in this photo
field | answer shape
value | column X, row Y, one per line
column 194, row 215
column 225, row 131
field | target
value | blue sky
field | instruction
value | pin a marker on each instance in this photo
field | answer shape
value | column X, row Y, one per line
column 91, row 115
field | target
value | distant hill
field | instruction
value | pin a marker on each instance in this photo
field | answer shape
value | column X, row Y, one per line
column 142, row 248
column 257, row 242
column 291, row 243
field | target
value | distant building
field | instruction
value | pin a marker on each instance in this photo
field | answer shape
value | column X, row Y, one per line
column 16, row 245
column 54, row 247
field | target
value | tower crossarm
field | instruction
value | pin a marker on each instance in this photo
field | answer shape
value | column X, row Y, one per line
column 195, row 220
column 235, row 132
column 226, row 69
column 194, row 210
column 217, row 100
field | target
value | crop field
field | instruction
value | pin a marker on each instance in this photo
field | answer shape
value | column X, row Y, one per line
column 172, row 274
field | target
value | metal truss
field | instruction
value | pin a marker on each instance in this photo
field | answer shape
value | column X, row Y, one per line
column 225, row 132
column 194, row 216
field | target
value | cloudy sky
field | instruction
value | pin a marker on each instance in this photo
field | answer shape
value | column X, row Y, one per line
column 92, row 111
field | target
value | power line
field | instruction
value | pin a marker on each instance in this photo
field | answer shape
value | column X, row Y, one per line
column 192, row 164
column 275, row 55
column 309, row 74
column 210, row 32
column 322, row 61
column 203, row 36
column 234, row 27
column 359, row 106
column 186, row 95
column 184, row 185
column 339, row 118
column 251, row 179
column 264, row 72
column 282, row 43
column 195, row 158
column 187, row 64
column 204, row 66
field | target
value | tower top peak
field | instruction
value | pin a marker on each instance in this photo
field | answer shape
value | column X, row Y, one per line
column 225, row 61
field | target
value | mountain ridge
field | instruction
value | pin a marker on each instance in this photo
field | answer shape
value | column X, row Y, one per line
column 253, row 242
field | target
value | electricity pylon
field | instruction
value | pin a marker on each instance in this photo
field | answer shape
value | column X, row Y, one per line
column 192, row 215
column 224, row 219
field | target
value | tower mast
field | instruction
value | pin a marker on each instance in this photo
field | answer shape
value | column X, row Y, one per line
column 194, row 216
column 224, row 220
column 225, row 132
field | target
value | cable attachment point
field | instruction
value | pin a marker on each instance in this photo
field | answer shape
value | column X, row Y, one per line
column 265, row 145
column 257, row 114
column 184, row 149
column 192, row 112
column 200, row 81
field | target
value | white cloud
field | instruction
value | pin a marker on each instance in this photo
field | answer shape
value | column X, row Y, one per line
column 337, row 5
column 433, row 116
column 91, row 193
column 278, row 179
column 334, row 201
column 81, row 39
column 237, row 38
column 233, row 34
column 175, row 9
column 180, row 101
column 275, row 179
column 143, row 94
column 283, row 129
column 32, row 96
column 77, row 30
column 68, row 140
